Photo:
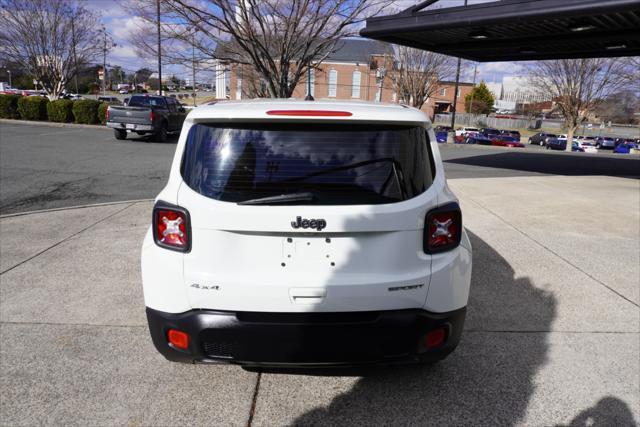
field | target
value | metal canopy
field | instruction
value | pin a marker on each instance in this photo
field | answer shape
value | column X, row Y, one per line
column 517, row 30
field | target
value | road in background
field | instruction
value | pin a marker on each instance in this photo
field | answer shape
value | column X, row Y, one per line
column 44, row 167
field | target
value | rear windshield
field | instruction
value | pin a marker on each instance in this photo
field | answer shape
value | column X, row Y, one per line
column 338, row 164
column 145, row 101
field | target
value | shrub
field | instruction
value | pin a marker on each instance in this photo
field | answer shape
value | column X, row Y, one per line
column 86, row 111
column 102, row 112
column 9, row 106
column 33, row 107
column 60, row 111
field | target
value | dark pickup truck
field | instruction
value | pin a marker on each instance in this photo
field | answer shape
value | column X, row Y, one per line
column 144, row 114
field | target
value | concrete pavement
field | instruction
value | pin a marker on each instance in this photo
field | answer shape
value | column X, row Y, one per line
column 552, row 334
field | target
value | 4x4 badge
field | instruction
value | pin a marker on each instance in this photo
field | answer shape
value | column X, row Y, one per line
column 318, row 224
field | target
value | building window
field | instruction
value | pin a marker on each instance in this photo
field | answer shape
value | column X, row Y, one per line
column 333, row 83
column 355, row 84
column 311, row 73
column 443, row 91
column 458, row 95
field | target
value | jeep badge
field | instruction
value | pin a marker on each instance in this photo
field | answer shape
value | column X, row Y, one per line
column 318, row 224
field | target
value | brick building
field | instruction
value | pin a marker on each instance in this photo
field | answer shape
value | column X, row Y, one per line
column 358, row 70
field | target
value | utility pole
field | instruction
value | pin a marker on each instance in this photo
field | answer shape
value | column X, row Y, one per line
column 9, row 72
column 309, row 97
column 455, row 91
column 475, row 70
column 104, row 62
column 75, row 58
column 193, row 63
column 159, row 50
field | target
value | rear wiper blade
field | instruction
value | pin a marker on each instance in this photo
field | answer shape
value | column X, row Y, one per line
column 282, row 198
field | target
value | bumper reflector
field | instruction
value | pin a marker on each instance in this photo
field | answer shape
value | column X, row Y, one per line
column 435, row 338
column 178, row 339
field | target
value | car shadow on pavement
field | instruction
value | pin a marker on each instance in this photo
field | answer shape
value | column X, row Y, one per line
column 571, row 164
column 488, row 380
column 609, row 411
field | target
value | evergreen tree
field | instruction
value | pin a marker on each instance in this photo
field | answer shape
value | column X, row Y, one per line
column 481, row 98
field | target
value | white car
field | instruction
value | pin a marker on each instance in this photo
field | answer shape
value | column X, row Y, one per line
column 466, row 130
column 586, row 145
column 297, row 233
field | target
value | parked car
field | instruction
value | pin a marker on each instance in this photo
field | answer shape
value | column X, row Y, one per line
column 72, row 96
column 465, row 130
column 33, row 93
column 586, row 146
column 253, row 258
column 475, row 138
column 442, row 133
column 556, row 144
column 123, row 91
column 506, row 141
column 618, row 141
column 481, row 139
column 144, row 114
column 514, row 133
column 541, row 138
column 605, row 143
column 561, row 145
column 111, row 100
column 488, row 132
column 625, row 147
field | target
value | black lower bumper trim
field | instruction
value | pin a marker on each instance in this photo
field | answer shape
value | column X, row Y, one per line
column 306, row 339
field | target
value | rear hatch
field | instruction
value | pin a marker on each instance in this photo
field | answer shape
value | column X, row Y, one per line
column 306, row 217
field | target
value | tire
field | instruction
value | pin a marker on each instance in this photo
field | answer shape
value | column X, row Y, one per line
column 541, row 143
column 597, row 145
column 120, row 134
column 548, row 148
column 161, row 134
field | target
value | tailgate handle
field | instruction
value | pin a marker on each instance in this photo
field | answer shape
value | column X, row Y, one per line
column 307, row 295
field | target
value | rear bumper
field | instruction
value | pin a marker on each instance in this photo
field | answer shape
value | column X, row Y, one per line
column 123, row 126
column 306, row 339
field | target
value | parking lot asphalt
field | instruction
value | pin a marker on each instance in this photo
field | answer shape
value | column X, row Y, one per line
column 552, row 335
column 43, row 167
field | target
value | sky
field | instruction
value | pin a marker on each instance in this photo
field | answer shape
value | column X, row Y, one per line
column 120, row 25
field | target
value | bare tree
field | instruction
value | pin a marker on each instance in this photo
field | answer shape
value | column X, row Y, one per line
column 277, row 40
column 418, row 72
column 578, row 86
column 50, row 40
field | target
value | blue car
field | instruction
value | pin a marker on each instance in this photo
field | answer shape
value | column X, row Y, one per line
column 477, row 139
column 625, row 147
column 442, row 133
column 441, row 136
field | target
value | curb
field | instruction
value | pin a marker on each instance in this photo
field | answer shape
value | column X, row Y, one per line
column 95, row 205
column 52, row 124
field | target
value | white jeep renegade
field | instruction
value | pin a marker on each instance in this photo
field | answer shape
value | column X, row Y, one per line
column 306, row 234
